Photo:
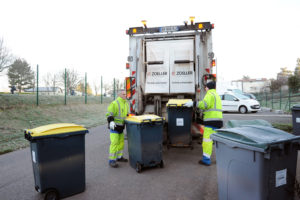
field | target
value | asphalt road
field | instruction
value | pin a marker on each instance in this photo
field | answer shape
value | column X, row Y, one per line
column 182, row 178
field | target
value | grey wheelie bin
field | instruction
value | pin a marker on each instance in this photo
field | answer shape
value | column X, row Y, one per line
column 255, row 162
column 296, row 119
column 58, row 159
column 179, row 123
column 238, row 123
column 145, row 137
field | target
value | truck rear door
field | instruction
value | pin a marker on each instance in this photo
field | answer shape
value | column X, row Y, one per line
column 170, row 66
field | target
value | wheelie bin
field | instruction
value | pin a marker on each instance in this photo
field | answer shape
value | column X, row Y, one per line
column 58, row 159
column 296, row 119
column 179, row 123
column 255, row 162
column 145, row 137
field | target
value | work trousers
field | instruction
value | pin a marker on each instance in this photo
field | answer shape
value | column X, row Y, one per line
column 116, row 145
column 207, row 143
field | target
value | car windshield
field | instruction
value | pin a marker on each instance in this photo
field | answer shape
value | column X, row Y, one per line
column 240, row 96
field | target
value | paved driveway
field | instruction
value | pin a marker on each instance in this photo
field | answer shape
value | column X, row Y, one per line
column 182, row 178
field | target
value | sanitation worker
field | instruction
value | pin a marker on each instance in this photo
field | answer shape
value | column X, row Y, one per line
column 213, row 118
column 116, row 114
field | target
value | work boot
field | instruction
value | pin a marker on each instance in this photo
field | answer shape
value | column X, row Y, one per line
column 113, row 164
column 205, row 161
column 122, row 159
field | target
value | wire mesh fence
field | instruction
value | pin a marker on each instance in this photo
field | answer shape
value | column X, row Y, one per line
column 280, row 100
column 64, row 87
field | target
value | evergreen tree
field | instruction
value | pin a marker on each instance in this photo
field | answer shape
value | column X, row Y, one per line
column 20, row 75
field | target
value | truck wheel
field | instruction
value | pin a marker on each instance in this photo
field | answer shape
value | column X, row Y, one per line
column 243, row 110
column 138, row 168
column 51, row 195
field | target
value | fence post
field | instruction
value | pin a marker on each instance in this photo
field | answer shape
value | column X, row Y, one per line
column 101, row 91
column 280, row 99
column 65, row 86
column 114, row 88
column 266, row 99
column 85, row 89
column 272, row 101
column 289, row 99
column 37, row 85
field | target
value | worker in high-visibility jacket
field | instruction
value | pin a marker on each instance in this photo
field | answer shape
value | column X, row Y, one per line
column 116, row 114
column 212, row 118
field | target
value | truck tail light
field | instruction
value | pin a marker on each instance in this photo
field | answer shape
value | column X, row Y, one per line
column 127, row 65
column 213, row 63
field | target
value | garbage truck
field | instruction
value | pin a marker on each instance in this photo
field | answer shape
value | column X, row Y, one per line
column 169, row 62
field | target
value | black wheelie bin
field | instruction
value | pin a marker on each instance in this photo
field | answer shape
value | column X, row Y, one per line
column 179, row 123
column 145, row 138
column 58, row 159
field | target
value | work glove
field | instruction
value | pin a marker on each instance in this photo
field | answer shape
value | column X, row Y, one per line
column 189, row 104
column 112, row 125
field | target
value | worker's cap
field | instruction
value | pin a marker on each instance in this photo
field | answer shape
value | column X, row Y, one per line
column 211, row 85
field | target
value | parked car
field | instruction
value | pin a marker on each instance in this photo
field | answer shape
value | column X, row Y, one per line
column 234, row 102
column 251, row 96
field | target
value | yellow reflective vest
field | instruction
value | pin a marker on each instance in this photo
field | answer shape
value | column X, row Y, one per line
column 212, row 106
column 118, row 109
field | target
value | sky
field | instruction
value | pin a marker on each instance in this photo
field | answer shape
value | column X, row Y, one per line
column 251, row 37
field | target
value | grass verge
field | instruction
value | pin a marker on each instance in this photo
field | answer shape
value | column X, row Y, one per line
column 14, row 121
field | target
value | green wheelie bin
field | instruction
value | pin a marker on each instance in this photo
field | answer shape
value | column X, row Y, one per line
column 58, row 159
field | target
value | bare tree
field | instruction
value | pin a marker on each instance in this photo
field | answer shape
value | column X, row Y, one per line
column 6, row 57
column 96, row 87
column 47, row 81
column 72, row 78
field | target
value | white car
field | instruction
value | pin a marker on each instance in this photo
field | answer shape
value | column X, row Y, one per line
column 233, row 102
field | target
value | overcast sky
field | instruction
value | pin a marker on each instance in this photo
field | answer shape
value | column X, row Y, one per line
column 251, row 37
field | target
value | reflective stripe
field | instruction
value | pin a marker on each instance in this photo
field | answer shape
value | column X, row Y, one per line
column 112, row 156
column 121, row 118
column 205, row 104
column 119, row 108
column 120, row 124
column 213, row 119
column 215, row 100
column 213, row 110
column 207, row 140
column 206, row 155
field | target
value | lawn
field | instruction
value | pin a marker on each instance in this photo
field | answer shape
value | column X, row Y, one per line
column 18, row 113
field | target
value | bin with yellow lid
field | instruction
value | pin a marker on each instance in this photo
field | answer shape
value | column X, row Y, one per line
column 58, row 159
column 145, row 135
column 179, row 123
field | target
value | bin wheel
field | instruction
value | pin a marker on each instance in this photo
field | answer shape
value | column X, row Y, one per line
column 161, row 164
column 138, row 168
column 168, row 146
column 192, row 148
column 51, row 195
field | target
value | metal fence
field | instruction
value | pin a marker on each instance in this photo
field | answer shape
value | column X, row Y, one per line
column 280, row 100
column 37, row 96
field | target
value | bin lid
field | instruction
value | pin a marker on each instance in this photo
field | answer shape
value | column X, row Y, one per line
column 143, row 118
column 238, row 123
column 296, row 107
column 177, row 102
column 255, row 136
column 54, row 129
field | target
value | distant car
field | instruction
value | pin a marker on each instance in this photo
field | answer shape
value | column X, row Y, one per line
column 251, row 96
column 233, row 102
